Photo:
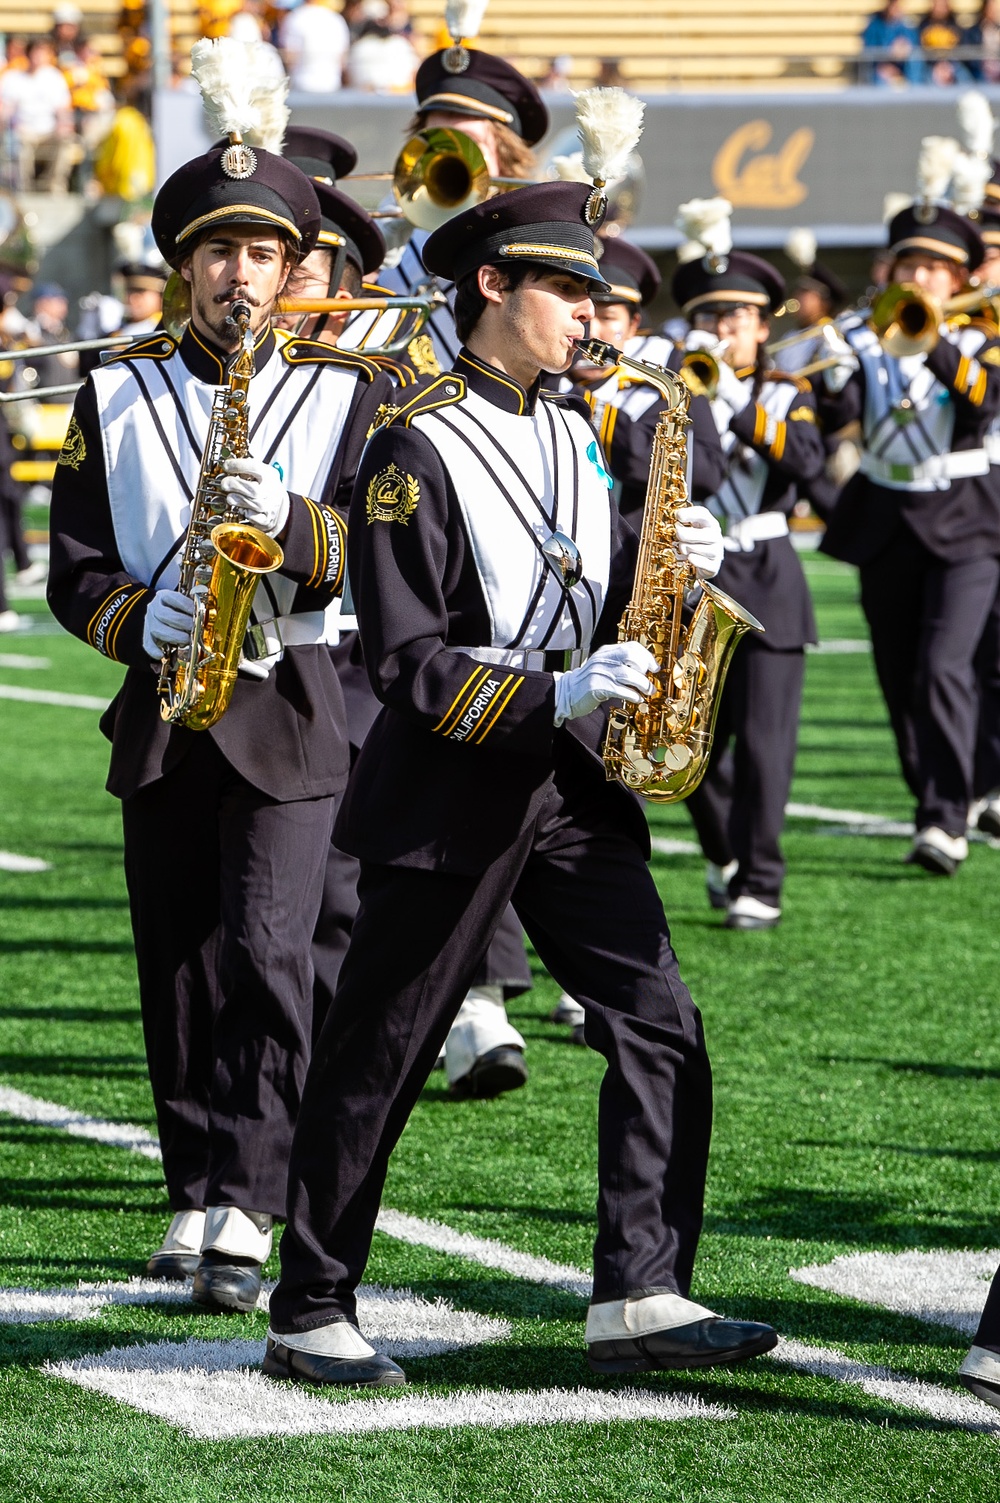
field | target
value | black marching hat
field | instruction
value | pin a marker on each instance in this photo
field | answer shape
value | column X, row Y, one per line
column 137, row 273
column 936, row 231
column 633, row 276
column 238, row 185
column 819, row 278
column 728, row 281
column 324, row 157
column 319, row 153
column 542, row 223
column 470, row 82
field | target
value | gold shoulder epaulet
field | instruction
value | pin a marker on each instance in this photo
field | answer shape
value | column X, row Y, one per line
column 159, row 346
column 799, row 382
column 443, row 392
column 401, row 374
column 314, row 352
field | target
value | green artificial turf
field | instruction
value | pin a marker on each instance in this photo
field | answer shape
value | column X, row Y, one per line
column 857, row 1070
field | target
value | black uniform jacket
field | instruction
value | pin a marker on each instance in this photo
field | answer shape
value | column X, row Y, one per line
column 628, row 443
column 422, row 794
column 954, row 524
column 768, row 581
column 285, row 734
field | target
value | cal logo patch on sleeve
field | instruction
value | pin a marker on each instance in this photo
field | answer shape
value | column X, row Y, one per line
column 392, row 496
column 74, row 449
column 991, row 356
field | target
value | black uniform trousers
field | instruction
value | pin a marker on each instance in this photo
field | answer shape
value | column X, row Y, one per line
column 926, row 618
column 988, row 1334
column 739, row 808
column 586, row 898
column 224, row 886
column 986, row 778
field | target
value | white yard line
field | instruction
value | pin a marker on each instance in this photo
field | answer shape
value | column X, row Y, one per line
column 484, row 1251
column 665, row 847
column 842, row 644
column 941, row 1288
column 18, row 660
column 52, row 697
column 11, row 862
column 78, row 1124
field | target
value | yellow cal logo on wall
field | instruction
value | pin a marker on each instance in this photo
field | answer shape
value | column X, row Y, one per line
column 762, row 181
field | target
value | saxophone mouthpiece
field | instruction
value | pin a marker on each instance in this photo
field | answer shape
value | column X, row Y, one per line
column 239, row 313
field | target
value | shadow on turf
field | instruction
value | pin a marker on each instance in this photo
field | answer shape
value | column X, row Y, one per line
column 829, row 1216
column 59, row 1014
column 915, row 1067
column 95, row 1066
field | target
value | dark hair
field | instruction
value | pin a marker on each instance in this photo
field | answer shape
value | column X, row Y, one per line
column 469, row 301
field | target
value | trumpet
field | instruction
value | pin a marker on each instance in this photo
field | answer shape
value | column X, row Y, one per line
column 814, row 331
column 437, row 174
column 700, row 373
column 907, row 320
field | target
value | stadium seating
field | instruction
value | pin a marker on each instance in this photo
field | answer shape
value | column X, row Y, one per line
column 658, row 44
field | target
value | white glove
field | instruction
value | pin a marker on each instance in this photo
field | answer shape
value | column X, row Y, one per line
column 169, row 622
column 735, row 393
column 701, row 339
column 619, row 671
column 699, row 540
column 257, row 490
column 836, row 377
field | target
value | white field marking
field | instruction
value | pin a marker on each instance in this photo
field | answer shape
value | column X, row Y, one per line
column 841, row 644
column 28, row 1307
column 941, row 1288
column 78, row 1124
column 18, row 660
column 206, row 1388
column 483, row 1250
column 664, row 847
column 9, row 862
column 841, row 816
column 52, row 697
column 892, row 1388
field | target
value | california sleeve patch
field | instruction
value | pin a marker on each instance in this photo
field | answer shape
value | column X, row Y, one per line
column 74, row 449
column 392, row 496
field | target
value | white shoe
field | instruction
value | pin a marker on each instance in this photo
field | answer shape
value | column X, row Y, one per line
column 177, row 1255
column 980, row 1373
column 937, row 851
column 985, row 814
column 750, row 913
column 484, row 1055
column 231, row 1231
column 568, row 1011
column 717, row 880
column 10, row 621
column 36, row 573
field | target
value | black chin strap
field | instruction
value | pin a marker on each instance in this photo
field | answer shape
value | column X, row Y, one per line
column 336, row 276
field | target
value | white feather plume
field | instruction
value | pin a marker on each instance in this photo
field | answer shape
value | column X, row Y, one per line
column 463, row 18
column 895, row 203
column 935, row 165
column 689, row 250
column 239, row 91
column 570, row 169
column 976, row 122
column 968, row 182
column 708, row 220
column 800, row 247
column 609, row 124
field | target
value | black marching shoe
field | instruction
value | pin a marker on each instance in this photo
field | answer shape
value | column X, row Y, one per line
column 703, row 1343
column 989, row 815
column 237, row 1244
column 178, row 1254
column 494, row 1072
column 980, row 1374
column 376, row 1371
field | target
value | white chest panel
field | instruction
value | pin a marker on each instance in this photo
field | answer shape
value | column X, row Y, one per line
column 632, row 398
column 154, row 422
column 517, row 480
column 655, row 349
column 742, row 490
column 909, row 416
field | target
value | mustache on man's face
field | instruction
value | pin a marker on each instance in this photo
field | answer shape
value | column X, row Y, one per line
column 239, row 296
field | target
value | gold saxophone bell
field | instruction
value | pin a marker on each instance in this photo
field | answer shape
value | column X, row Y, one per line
column 700, row 373
column 906, row 319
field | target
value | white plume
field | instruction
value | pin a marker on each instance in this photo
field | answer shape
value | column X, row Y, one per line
column 463, row 18
column 707, row 220
column 895, row 203
column 800, row 247
column 935, row 165
column 239, row 91
column 570, row 169
column 976, row 123
column 689, row 250
column 968, row 182
column 609, row 124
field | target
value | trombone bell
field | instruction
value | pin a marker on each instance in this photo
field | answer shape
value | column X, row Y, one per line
column 700, row 373
column 906, row 320
column 437, row 174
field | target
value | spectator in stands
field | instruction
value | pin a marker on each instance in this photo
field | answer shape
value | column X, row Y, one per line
column 893, row 41
column 66, row 34
column 92, row 100
column 15, row 55
column 50, row 309
column 940, row 33
column 984, row 33
column 382, row 59
column 245, row 27
column 314, row 42
column 609, row 74
column 35, row 104
column 556, row 80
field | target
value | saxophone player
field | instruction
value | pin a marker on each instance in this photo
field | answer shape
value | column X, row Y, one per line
column 226, row 830
column 489, row 568
column 767, row 423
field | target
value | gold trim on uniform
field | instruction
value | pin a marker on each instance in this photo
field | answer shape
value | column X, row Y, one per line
column 447, row 723
column 563, row 252
column 464, row 102
column 421, row 351
column 778, row 442
column 392, row 496
column 802, row 415
column 74, row 449
column 384, row 413
column 230, row 210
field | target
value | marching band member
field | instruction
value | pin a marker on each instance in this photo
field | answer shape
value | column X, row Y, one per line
column 985, row 812
column 921, row 520
column 980, row 1372
column 819, row 296
column 489, row 571
column 227, row 829
column 767, row 424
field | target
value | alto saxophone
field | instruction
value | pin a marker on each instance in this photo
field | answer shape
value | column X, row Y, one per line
column 223, row 558
column 660, row 748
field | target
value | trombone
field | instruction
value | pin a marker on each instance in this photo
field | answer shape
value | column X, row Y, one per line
column 437, row 174
column 410, row 314
column 73, row 347
column 907, row 320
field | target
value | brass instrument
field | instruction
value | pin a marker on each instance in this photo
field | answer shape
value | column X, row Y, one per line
column 412, row 314
column 812, row 331
column 660, row 748
column 437, row 174
column 700, row 373
column 223, row 560
column 907, row 319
